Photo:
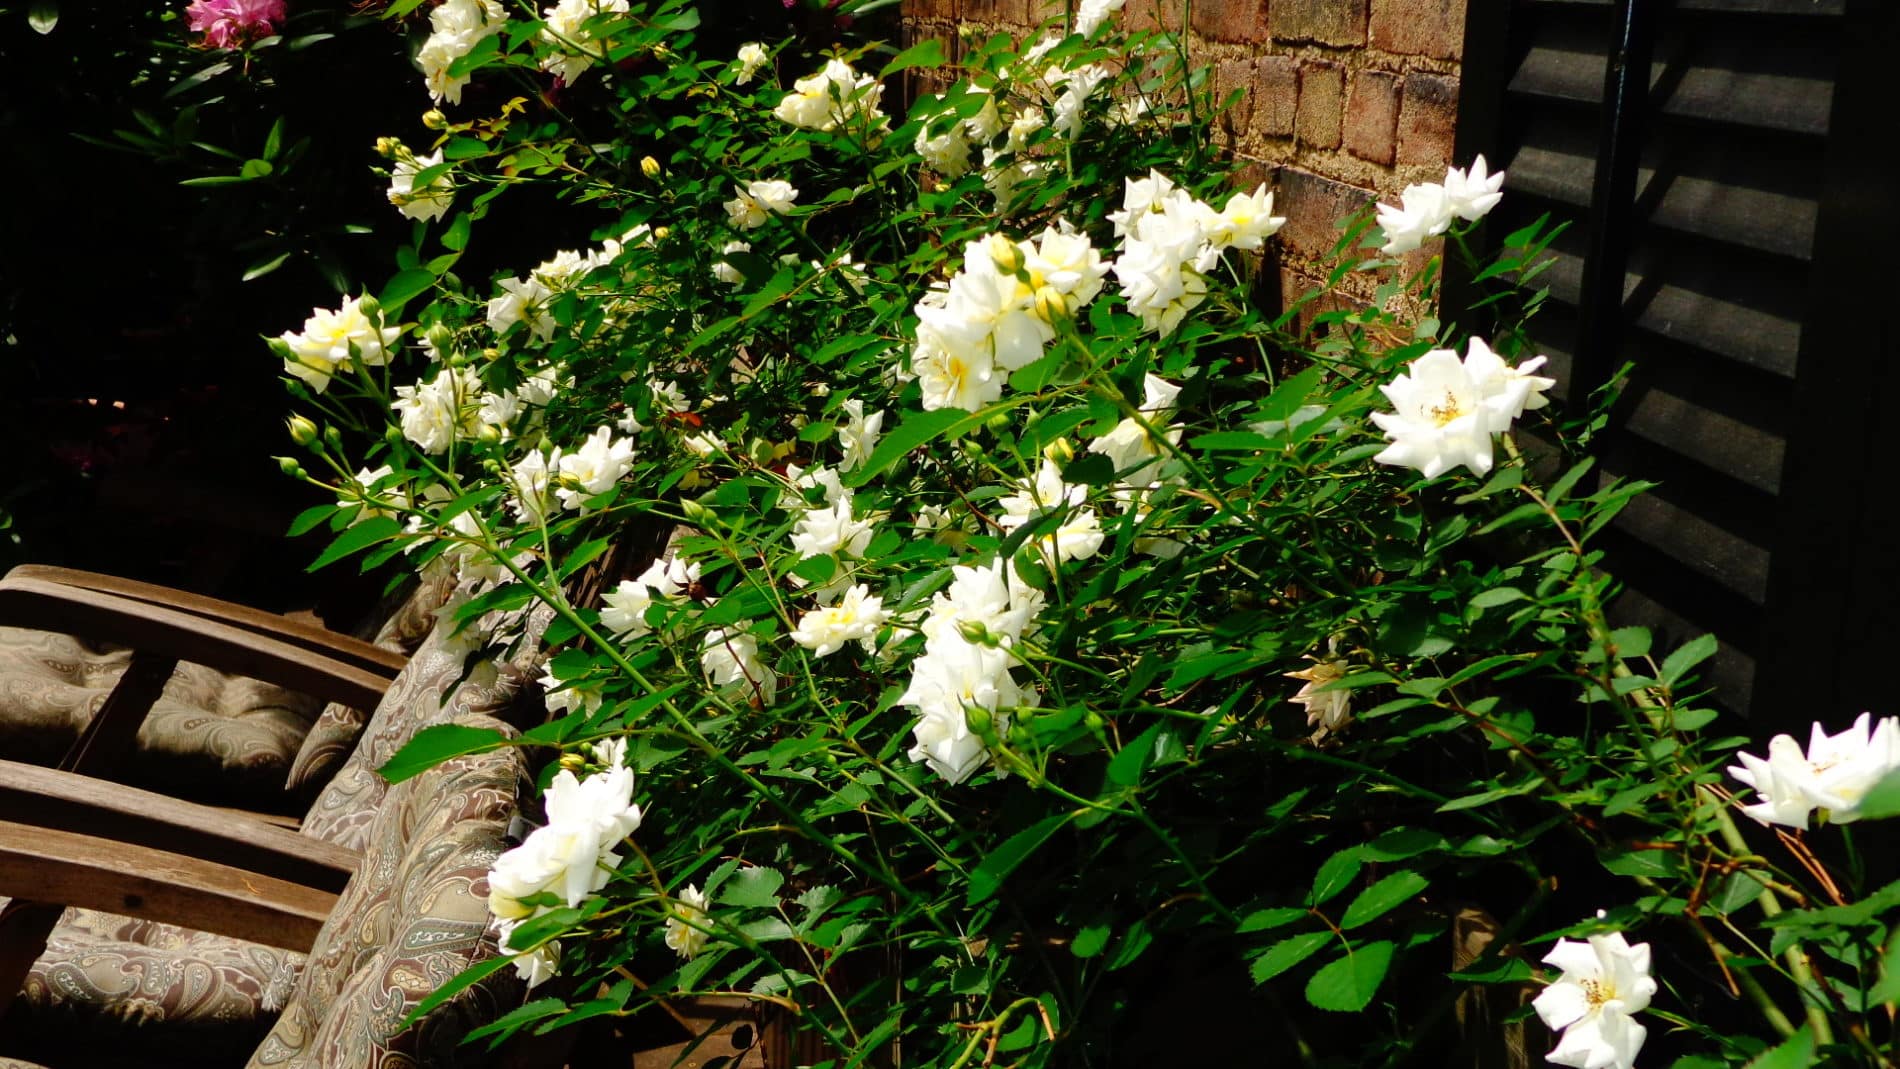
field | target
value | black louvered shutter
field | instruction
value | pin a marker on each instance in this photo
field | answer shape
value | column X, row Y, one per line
column 1721, row 214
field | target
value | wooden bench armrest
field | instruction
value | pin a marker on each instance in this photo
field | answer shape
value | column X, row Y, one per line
column 162, row 631
column 49, row 865
column 344, row 648
column 66, row 801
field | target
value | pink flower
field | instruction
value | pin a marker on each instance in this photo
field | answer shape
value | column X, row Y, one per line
column 229, row 23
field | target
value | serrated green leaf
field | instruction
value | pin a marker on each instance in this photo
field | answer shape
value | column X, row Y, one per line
column 1090, row 941
column 1795, row 1052
column 1335, row 875
column 755, row 886
column 1687, row 656
column 1287, row 953
column 1261, row 920
column 1346, row 985
column 1381, row 898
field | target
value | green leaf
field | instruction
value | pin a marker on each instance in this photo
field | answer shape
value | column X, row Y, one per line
column 1287, row 953
column 1381, row 898
column 265, row 267
column 1335, row 875
column 438, row 743
column 1651, row 863
column 755, row 886
column 925, row 53
column 1348, row 984
column 1090, row 941
column 1125, row 770
column 1736, row 892
column 43, row 16
column 360, row 536
column 1883, row 798
column 1496, row 596
column 456, row 236
column 1796, row 1052
column 461, row 982
column 309, row 519
column 1287, row 398
column 1687, row 656
column 913, row 432
column 405, row 285
column 987, row 878
column 1263, row 919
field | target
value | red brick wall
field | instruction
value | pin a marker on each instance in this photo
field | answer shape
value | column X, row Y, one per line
column 1346, row 99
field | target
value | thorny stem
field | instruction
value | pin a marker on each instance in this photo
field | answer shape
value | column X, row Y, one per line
column 1799, row 967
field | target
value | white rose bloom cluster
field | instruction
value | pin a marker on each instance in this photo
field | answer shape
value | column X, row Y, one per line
column 752, row 56
column 1073, row 89
column 455, row 26
column 333, row 342
column 1445, row 410
column 565, row 27
column 998, row 313
column 432, row 201
column 965, row 667
column 571, row 858
column 1834, row 775
column 948, row 153
column 758, row 201
column 437, row 412
column 1079, row 534
column 625, row 607
column 833, row 96
column 1427, row 209
column 525, row 300
column 1170, row 241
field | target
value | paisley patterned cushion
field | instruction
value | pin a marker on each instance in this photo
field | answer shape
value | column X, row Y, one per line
column 343, row 811
column 109, row 984
column 210, row 736
column 335, row 731
column 414, row 915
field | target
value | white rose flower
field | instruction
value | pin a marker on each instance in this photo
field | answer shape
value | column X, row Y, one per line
column 522, row 301
column 565, row 29
column 752, row 56
column 1092, row 13
column 432, row 200
column 731, row 661
column 456, row 27
column 1079, row 535
column 435, row 413
column 858, row 437
column 535, row 966
column 855, row 617
column 528, row 484
column 821, row 532
column 1470, row 195
column 1604, row 981
column 759, row 200
column 836, row 94
column 951, row 678
column 724, row 271
column 594, row 468
column 1423, row 213
column 686, row 920
column 1834, row 774
column 1327, row 711
column 331, row 342
column 1446, row 410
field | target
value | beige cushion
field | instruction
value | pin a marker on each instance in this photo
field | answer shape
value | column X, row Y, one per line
column 210, row 736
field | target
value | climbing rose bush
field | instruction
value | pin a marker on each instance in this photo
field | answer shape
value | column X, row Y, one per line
column 1022, row 616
